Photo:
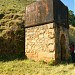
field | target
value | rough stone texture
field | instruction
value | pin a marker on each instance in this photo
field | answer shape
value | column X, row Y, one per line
column 44, row 42
column 40, row 42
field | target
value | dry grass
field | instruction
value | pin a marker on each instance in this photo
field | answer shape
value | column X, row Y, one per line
column 72, row 33
column 28, row 67
column 13, row 5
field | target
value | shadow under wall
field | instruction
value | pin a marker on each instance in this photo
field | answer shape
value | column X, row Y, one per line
column 25, row 44
column 13, row 47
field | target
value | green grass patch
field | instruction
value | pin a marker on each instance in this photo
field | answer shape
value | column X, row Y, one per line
column 28, row 67
column 72, row 34
column 13, row 5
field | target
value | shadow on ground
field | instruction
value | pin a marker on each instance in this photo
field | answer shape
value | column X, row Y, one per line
column 5, row 58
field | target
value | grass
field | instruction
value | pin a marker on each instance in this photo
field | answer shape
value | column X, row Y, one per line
column 12, row 13
column 15, row 5
column 72, row 33
column 29, row 67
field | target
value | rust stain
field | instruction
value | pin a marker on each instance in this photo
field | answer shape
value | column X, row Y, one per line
column 38, row 12
column 47, row 9
column 42, row 12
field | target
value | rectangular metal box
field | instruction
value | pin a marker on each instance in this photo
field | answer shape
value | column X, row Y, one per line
column 46, row 11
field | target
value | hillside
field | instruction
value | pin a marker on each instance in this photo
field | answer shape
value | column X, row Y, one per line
column 12, row 18
column 72, row 33
column 16, row 5
column 12, row 11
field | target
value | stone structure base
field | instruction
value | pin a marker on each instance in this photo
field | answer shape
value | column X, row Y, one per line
column 40, row 42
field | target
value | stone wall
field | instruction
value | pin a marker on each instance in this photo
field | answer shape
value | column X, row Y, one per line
column 40, row 42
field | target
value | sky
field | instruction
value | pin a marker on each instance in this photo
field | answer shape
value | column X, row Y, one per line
column 70, row 4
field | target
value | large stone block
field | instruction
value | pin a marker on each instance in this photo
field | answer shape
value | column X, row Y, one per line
column 41, row 42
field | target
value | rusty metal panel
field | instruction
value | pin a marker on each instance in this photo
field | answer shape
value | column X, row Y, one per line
column 60, row 13
column 39, row 12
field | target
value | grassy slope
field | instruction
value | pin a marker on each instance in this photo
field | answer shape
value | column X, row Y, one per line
column 27, row 67
column 11, row 9
column 12, row 18
column 72, row 34
column 6, row 5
